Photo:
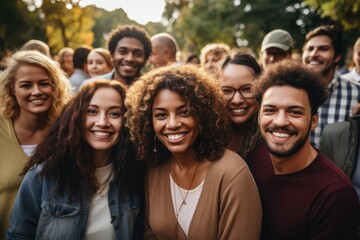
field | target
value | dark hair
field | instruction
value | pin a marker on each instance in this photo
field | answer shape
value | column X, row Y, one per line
column 80, row 56
column 204, row 97
column 241, row 58
column 291, row 73
column 65, row 154
column 192, row 57
column 332, row 32
column 129, row 31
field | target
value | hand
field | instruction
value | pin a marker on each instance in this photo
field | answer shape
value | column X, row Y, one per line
column 356, row 109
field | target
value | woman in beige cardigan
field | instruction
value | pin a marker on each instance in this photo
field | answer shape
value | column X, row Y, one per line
column 195, row 188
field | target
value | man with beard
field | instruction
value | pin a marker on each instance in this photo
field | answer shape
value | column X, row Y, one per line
column 130, row 48
column 321, row 53
column 304, row 195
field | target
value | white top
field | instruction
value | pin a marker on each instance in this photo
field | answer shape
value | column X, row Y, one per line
column 186, row 211
column 99, row 222
column 352, row 76
column 29, row 149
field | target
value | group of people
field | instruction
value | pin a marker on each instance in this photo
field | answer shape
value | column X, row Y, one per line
column 227, row 150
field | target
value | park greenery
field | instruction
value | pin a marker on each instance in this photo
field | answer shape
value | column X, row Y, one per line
column 194, row 23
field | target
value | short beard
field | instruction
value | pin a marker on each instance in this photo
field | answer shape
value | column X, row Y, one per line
column 128, row 80
column 293, row 150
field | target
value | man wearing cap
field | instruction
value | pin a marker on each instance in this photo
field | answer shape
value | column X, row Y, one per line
column 276, row 46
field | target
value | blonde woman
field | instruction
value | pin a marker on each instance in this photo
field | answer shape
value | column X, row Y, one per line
column 99, row 62
column 33, row 91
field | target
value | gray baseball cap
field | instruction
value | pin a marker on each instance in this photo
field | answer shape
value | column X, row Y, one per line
column 277, row 38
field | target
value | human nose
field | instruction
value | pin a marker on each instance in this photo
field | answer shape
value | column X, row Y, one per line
column 36, row 90
column 173, row 122
column 129, row 56
column 281, row 119
column 102, row 120
column 237, row 97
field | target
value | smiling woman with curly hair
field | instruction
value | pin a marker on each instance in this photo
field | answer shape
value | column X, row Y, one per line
column 178, row 123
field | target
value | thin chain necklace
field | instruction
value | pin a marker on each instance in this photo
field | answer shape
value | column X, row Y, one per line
column 103, row 185
column 178, row 210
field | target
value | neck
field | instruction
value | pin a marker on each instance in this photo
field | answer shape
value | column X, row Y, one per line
column 237, row 135
column 296, row 162
column 31, row 122
column 329, row 76
column 126, row 81
column 100, row 158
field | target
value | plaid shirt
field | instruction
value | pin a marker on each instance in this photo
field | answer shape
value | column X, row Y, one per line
column 337, row 108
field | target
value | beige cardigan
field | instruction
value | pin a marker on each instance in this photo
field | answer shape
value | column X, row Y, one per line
column 229, row 206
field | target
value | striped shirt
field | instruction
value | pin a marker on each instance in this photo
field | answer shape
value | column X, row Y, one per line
column 337, row 108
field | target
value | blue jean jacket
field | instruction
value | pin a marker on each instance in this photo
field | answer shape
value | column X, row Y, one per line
column 39, row 214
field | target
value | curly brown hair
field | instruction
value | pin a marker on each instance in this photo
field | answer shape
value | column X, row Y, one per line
column 290, row 73
column 204, row 98
column 65, row 154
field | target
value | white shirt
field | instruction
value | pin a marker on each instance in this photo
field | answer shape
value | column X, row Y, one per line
column 186, row 211
column 99, row 222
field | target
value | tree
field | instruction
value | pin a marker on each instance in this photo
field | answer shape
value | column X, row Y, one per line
column 345, row 12
column 17, row 24
column 238, row 23
column 67, row 27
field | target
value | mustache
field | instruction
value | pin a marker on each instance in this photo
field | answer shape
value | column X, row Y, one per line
column 288, row 130
column 314, row 59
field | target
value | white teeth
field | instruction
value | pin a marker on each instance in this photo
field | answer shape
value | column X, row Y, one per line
column 38, row 100
column 101, row 134
column 281, row 134
column 238, row 110
column 175, row 136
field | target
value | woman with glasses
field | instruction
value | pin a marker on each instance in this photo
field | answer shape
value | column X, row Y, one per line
column 238, row 73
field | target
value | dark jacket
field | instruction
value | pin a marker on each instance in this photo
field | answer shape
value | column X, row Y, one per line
column 340, row 143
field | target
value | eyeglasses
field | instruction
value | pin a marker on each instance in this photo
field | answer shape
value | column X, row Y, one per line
column 245, row 92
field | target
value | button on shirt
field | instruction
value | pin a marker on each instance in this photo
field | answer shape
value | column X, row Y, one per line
column 337, row 108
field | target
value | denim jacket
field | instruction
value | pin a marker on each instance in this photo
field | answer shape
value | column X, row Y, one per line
column 39, row 214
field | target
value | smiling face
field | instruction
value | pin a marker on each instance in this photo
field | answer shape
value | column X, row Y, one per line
column 129, row 58
column 32, row 90
column 97, row 65
column 319, row 55
column 285, row 120
column 239, row 77
column 103, row 120
column 173, row 123
column 212, row 63
column 273, row 55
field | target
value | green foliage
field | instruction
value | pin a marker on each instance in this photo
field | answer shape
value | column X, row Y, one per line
column 347, row 12
column 238, row 23
column 17, row 25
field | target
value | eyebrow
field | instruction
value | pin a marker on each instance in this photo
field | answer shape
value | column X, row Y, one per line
column 289, row 107
column 111, row 107
column 178, row 108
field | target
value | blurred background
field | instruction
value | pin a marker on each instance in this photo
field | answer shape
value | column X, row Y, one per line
column 194, row 23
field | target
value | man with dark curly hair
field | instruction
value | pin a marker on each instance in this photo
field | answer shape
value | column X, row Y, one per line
column 195, row 188
column 304, row 195
column 130, row 48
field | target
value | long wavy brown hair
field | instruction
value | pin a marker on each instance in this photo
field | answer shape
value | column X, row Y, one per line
column 203, row 95
column 65, row 154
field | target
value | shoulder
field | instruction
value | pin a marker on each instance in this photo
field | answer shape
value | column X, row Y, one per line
column 228, row 166
column 336, row 129
column 5, row 123
column 332, row 175
column 105, row 76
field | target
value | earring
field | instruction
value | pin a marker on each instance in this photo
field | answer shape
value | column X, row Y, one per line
column 155, row 150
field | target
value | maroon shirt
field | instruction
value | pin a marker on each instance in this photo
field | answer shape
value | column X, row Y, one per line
column 317, row 202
